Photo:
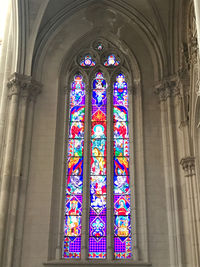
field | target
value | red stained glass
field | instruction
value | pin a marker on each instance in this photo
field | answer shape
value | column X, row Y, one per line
column 98, row 130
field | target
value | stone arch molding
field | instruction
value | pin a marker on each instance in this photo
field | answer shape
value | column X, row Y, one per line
column 137, row 21
column 130, row 68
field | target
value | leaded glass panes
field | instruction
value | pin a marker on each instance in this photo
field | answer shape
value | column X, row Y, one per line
column 122, row 219
column 98, row 171
column 98, row 160
column 74, row 172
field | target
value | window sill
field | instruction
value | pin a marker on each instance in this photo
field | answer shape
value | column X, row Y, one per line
column 103, row 263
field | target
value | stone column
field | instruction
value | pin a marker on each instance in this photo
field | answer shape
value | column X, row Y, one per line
column 168, row 91
column 19, row 90
column 197, row 13
column 30, row 90
column 192, row 192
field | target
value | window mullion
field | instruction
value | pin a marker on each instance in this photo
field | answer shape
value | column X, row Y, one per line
column 86, row 179
column 110, row 228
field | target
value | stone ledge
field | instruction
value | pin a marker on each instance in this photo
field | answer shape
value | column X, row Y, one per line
column 103, row 263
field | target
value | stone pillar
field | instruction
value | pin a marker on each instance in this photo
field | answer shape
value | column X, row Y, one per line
column 20, row 89
column 168, row 92
column 197, row 13
column 192, row 192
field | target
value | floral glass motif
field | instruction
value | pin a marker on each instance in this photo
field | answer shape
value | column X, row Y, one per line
column 74, row 171
column 97, row 222
column 122, row 220
column 111, row 61
column 87, row 62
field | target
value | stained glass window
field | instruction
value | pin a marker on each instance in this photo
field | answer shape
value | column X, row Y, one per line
column 87, row 61
column 111, row 61
column 98, row 176
column 74, row 172
column 122, row 220
column 97, row 221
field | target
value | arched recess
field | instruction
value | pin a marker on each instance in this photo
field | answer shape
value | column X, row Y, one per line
column 67, row 69
column 130, row 16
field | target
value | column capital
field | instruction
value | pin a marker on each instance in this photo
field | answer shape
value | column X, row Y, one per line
column 167, row 87
column 188, row 163
column 23, row 86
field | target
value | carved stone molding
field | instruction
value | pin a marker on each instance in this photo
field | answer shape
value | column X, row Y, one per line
column 24, row 86
column 188, row 165
column 167, row 87
column 193, row 49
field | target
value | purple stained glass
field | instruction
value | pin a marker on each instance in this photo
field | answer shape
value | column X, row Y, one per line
column 97, row 244
column 98, row 185
column 74, row 185
column 72, row 225
column 73, row 205
column 122, row 205
column 122, row 226
column 123, row 247
column 72, row 247
column 97, row 226
column 99, row 97
column 77, row 97
column 120, row 97
column 121, row 185
column 78, row 82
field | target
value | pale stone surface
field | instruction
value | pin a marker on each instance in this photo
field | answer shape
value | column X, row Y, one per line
column 158, row 41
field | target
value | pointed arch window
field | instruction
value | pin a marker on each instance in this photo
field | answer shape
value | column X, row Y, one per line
column 105, row 175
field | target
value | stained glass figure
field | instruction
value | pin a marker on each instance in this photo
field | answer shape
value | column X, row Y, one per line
column 74, row 171
column 111, row 61
column 97, row 222
column 122, row 205
column 87, row 62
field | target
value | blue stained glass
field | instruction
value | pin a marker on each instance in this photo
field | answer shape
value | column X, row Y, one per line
column 78, row 82
column 120, row 82
column 99, row 97
column 72, row 247
column 97, row 226
column 122, row 232
column 73, row 205
column 99, row 83
column 87, row 61
column 97, row 247
column 77, row 97
column 98, row 130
